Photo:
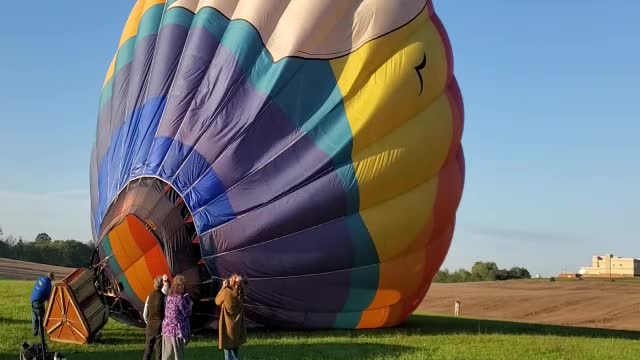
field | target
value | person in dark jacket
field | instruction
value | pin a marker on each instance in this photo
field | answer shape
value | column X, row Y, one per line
column 39, row 295
column 153, row 315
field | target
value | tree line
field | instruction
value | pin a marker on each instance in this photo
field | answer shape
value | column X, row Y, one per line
column 44, row 250
column 481, row 271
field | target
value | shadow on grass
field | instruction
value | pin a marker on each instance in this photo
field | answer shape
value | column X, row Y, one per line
column 440, row 325
column 5, row 321
column 121, row 336
column 446, row 325
column 325, row 350
column 120, row 339
column 328, row 350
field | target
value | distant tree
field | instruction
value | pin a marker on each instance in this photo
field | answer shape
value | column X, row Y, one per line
column 43, row 238
column 486, row 271
column 19, row 248
column 503, row 274
column 456, row 277
column 464, row 275
column 5, row 249
column 11, row 240
column 443, row 276
column 69, row 253
column 74, row 253
column 1, row 233
column 519, row 273
column 44, row 250
column 32, row 252
column 481, row 271
column 461, row 275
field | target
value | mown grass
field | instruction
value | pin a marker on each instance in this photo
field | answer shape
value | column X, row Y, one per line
column 422, row 337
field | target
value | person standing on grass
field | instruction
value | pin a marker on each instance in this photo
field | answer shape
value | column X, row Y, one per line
column 153, row 315
column 176, row 331
column 231, row 328
column 39, row 295
column 456, row 310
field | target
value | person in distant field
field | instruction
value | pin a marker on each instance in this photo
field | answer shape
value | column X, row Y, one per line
column 176, row 329
column 153, row 315
column 231, row 328
column 39, row 295
column 457, row 307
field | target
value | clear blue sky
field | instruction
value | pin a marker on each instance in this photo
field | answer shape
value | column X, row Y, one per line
column 551, row 134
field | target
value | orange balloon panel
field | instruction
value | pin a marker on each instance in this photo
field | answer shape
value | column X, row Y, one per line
column 137, row 257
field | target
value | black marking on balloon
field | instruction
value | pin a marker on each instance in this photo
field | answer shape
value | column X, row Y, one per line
column 421, row 66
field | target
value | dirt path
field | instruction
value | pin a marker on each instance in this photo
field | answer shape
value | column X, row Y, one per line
column 23, row 270
column 589, row 303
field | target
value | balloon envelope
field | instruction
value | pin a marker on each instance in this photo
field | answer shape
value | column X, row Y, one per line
column 311, row 146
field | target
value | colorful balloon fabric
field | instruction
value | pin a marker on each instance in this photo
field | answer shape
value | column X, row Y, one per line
column 313, row 146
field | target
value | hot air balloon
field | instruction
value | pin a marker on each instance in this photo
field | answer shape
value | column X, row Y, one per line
column 311, row 146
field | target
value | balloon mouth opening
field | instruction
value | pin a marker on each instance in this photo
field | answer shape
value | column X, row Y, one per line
column 148, row 231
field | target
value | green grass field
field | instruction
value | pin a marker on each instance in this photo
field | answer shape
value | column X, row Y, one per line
column 422, row 337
